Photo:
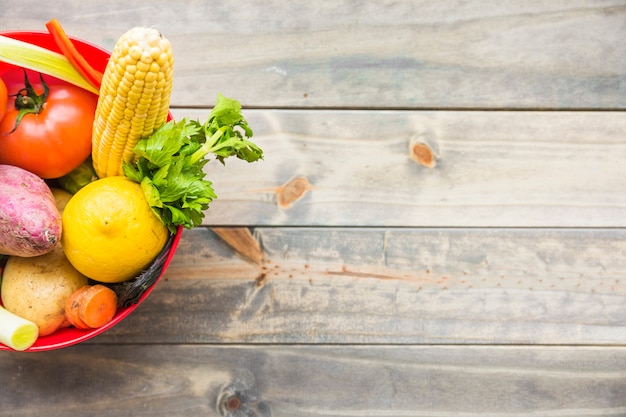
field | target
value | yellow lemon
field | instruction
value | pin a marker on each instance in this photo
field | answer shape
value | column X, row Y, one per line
column 110, row 234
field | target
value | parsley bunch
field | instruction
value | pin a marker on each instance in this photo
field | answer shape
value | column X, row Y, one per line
column 171, row 161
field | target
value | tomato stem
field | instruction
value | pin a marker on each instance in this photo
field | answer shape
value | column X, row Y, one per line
column 27, row 101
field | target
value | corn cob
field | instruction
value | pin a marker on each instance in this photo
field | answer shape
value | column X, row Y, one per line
column 134, row 98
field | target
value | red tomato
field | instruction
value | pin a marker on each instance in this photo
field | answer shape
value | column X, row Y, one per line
column 57, row 139
column 3, row 98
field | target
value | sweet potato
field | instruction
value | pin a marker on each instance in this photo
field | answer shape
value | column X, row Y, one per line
column 30, row 223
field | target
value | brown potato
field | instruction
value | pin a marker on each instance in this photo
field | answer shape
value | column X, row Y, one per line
column 36, row 288
column 61, row 197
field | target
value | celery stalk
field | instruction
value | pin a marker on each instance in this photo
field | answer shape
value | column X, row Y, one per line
column 16, row 332
column 36, row 58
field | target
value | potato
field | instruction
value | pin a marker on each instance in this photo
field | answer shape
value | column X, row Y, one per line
column 61, row 197
column 36, row 288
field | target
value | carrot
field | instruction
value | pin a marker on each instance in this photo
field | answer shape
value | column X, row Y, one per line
column 71, row 308
column 91, row 306
column 68, row 49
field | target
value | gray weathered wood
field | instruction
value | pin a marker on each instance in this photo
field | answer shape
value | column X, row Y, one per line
column 408, row 54
column 391, row 286
column 513, row 169
column 492, row 283
column 299, row 381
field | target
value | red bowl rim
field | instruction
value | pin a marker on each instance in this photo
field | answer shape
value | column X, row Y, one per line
column 69, row 336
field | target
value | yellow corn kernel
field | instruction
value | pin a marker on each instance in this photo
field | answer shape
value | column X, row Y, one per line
column 134, row 98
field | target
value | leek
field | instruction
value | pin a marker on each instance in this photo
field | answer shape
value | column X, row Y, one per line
column 42, row 60
column 16, row 332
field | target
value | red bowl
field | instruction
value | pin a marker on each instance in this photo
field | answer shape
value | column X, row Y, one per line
column 65, row 337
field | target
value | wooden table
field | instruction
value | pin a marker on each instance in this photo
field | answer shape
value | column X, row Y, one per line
column 438, row 228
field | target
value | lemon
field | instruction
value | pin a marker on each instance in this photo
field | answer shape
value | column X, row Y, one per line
column 110, row 233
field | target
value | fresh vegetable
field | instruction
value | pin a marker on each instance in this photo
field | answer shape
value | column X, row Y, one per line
column 91, row 306
column 30, row 223
column 134, row 97
column 130, row 138
column 37, row 288
column 171, row 161
column 73, row 56
column 3, row 98
column 79, row 177
column 48, row 130
column 61, row 198
column 16, row 332
column 41, row 60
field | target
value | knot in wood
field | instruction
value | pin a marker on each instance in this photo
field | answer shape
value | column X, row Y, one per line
column 232, row 403
column 292, row 191
column 424, row 150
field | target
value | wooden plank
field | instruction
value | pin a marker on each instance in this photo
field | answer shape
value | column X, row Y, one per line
column 375, row 280
column 348, row 53
column 495, row 169
column 391, row 286
column 299, row 381
column 296, row 381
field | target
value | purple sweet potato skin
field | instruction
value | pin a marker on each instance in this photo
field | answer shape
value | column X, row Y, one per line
column 30, row 224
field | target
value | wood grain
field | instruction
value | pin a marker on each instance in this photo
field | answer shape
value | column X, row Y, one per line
column 495, row 169
column 299, row 381
column 379, row 54
column 242, row 241
column 438, row 227
column 391, row 286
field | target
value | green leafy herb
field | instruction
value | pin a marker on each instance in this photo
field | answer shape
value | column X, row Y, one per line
column 171, row 161
column 78, row 177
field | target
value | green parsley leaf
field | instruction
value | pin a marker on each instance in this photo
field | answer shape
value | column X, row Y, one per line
column 170, row 162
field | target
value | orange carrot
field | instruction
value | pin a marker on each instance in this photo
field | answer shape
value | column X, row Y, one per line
column 91, row 306
column 71, row 308
column 68, row 49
